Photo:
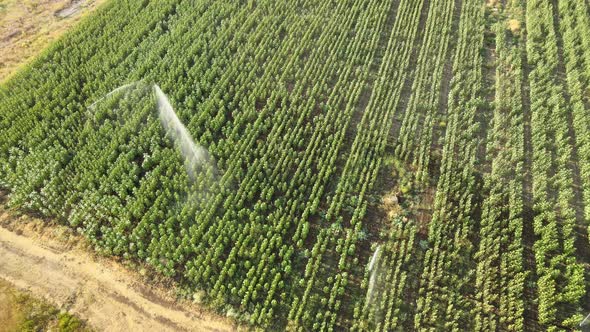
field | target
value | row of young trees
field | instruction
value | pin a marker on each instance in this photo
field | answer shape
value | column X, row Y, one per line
column 422, row 119
column 560, row 274
column 385, row 280
column 359, row 174
column 574, row 25
column 500, row 274
column 300, row 179
column 445, row 281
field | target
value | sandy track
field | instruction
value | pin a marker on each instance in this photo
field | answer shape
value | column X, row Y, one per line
column 29, row 26
column 102, row 294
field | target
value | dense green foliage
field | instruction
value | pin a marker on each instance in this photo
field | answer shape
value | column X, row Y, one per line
column 303, row 105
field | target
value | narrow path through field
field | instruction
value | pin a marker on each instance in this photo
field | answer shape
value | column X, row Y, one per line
column 102, row 294
column 387, row 26
column 483, row 117
column 409, row 81
column 363, row 101
column 530, row 310
column 410, row 291
column 439, row 132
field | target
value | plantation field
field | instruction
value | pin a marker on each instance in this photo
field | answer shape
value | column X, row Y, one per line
column 323, row 165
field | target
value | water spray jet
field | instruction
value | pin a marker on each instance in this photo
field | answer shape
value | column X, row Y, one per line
column 373, row 278
column 197, row 160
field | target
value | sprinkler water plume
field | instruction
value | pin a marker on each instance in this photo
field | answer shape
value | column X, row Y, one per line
column 196, row 157
column 198, row 162
column 373, row 271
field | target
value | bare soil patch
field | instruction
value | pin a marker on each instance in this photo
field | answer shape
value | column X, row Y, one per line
column 71, row 8
column 52, row 262
column 28, row 26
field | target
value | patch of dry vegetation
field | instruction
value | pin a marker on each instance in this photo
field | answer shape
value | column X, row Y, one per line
column 28, row 26
column 19, row 311
column 514, row 26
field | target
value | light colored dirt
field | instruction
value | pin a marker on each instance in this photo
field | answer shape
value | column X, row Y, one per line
column 103, row 293
column 9, row 316
column 28, row 26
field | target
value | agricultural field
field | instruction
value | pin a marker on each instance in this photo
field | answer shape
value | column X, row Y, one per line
column 352, row 165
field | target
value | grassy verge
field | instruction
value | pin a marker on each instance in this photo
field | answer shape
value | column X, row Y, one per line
column 19, row 311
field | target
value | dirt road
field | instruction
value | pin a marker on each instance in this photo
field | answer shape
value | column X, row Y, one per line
column 28, row 26
column 101, row 293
